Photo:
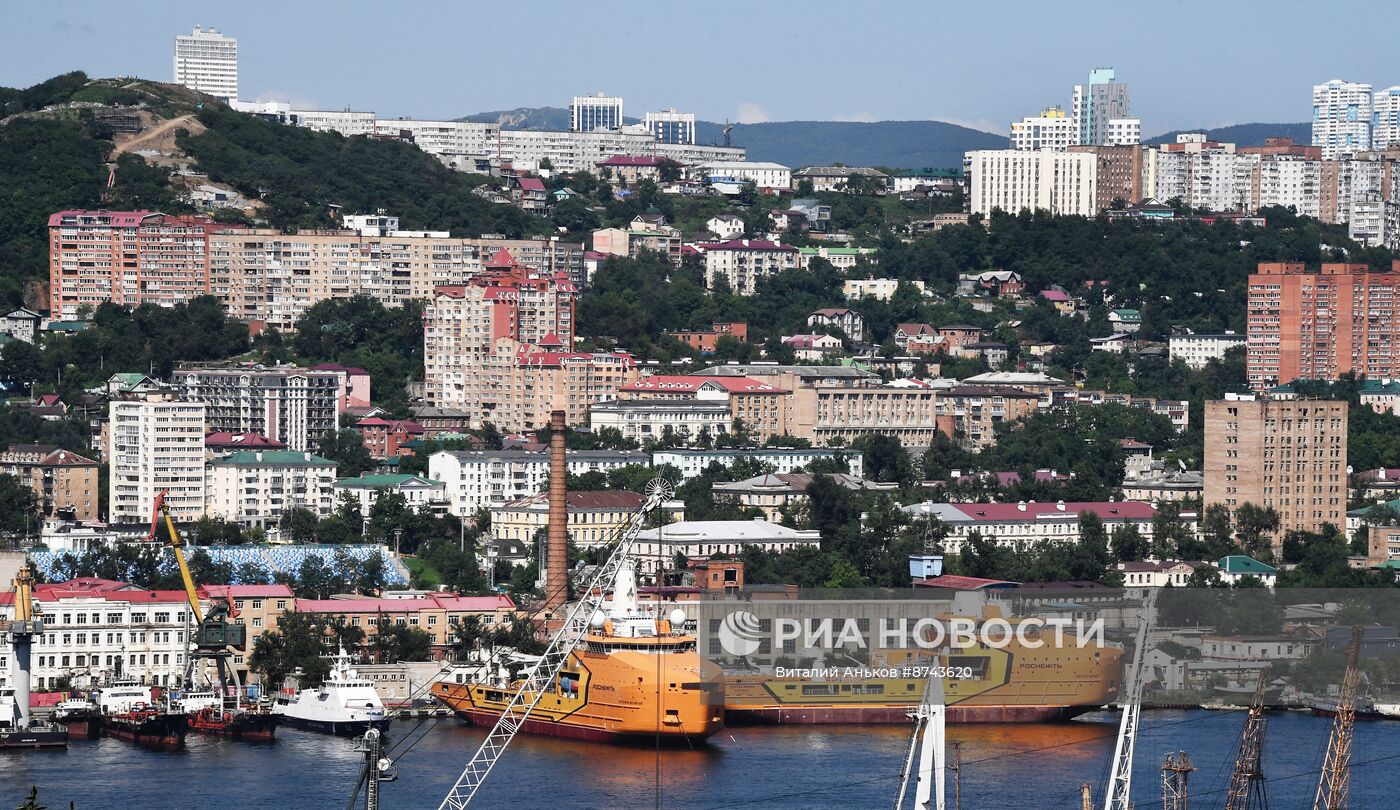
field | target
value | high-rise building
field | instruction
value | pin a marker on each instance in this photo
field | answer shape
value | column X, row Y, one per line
column 1341, row 117
column 1290, row 455
column 207, row 61
column 1051, row 129
column 1385, row 118
column 1316, row 326
column 598, row 111
column 669, row 126
column 1100, row 110
column 1119, row 173
column 126, row 257
column 155, row 444
column 294, row 406
column 1057, row 182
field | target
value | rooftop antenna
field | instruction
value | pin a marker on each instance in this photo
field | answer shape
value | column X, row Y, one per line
column 727, row 127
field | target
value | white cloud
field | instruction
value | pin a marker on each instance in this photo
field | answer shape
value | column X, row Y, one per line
column 860, row 118
column 751, row 113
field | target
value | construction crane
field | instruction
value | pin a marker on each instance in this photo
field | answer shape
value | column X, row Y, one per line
column 1120, row 783
column 1335, row 784
column 214, row 633
column 1246, row 791
column 546, row 669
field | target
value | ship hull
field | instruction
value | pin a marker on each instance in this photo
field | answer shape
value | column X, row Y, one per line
column 82, row 728
column 51, row 737
column 546, row 728
column 246, row 727
column 162, row 732
column 339, row 729
column 876, row 715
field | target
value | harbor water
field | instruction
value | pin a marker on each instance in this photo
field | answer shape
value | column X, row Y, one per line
column 1028, row 765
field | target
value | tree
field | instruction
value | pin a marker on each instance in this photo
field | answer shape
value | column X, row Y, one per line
column 299, row 641
column 299, row 524
column 394, row 642
column 20, row 362
column 1254, row 525
column 17, row 505
column 884, row 458
column 1217, row 526
column 1128, row 543
column 347, row 449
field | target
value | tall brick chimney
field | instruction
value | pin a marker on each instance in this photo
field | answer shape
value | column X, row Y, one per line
column 557, row 547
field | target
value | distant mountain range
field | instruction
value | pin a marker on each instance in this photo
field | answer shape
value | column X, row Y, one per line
column 1245, row 134
column 893, row 144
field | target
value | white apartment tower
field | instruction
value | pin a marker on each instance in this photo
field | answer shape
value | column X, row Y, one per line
column 598, row 111
column 1100, row 111
column 669, row 126
column 1385, row 118
column 207, row 61
column 1341, row 117
column 1051, row 129
column 1061, row 183
column 155, row 444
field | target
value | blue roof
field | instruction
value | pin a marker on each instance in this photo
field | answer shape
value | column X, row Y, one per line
column 1240, row 564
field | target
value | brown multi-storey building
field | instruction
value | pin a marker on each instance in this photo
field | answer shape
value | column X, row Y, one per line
column 969, row 414
column 126, row 257
column 1304, row 325
column 1119, row 174
column 64, row 483
column 1287, row 454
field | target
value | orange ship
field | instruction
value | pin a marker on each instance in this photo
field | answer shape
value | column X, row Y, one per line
column 1004, row 684
column 633, row 675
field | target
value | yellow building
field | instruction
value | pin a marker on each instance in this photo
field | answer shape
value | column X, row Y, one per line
column 594, row 517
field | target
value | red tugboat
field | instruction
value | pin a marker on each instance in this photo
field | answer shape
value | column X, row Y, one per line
column 228, row 717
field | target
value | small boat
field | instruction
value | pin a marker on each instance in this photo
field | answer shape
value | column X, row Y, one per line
column 128, row 713
column 15, row 732
column 80, row 716
column 209, row 713
column 1327, row 707
column 345, row 704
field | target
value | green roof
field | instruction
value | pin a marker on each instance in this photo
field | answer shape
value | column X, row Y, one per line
column 271, row 458
column 1381, row 387
column 1363, row 511
column 1128, row 314
column 386, row 481
column 1240, row 564
column 66, row 326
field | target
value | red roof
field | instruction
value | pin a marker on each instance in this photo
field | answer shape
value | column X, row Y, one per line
column 957, row 583
column 358, row 372
column 1054, row 295
column 634, row 160
column 406, row 425
column 120, row 218
column 604, row 499
column 227, row 439
column 912, row 329
column 502, row 259
column 530, row 183
column 691, row 383
column 248, row 591
column 430, row 602
column 64, row 458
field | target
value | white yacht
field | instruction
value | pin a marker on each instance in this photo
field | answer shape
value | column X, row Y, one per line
column 122, row 695
column 344, row 704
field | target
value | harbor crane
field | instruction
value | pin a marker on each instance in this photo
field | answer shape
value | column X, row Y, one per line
column 1120, row 783
column 1246, row 791
column 546, row 669
column 1335, row 784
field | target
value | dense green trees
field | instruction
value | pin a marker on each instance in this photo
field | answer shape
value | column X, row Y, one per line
column 361, row 332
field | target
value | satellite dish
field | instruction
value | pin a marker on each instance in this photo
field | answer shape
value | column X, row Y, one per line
column 598, row 620
column 677, row 617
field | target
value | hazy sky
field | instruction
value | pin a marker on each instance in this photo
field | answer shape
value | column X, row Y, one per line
column 1190, row 63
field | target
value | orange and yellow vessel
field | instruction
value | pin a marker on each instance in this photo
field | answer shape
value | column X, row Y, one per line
column 633, row 675
column 1014, row 683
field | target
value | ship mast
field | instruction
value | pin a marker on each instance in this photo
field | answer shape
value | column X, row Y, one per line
column 928, row 738
column 1120, row 784
column 1335, row 783
column 546, row 669
column 1246, row 791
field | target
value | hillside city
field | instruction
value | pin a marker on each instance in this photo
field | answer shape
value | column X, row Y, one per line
column 335, row 342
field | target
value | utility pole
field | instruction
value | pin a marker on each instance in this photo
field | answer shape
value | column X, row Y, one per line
column 378, row 768
column 1246, row 791
column 957, row 776
column 398, row 535
column 1086, row 797
column 1176, row 770
column 1335, row 784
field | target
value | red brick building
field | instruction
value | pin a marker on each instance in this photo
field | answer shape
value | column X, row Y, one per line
column 385, row 438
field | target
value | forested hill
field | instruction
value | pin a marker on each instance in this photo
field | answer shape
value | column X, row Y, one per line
column 1244, row 134
column 57, row 145
column 894, row 144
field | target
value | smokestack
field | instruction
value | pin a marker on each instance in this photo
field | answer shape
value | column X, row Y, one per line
column 556, row 580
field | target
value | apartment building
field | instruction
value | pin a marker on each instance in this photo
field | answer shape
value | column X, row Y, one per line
column 691, row 463
column 255, row 488
column 851, row 324
column 155, row 444
column 442, row 138
column 1385, row 118
column 596, row 111
column 1100, row 111
column 1024, row 524
column 669, row 126
column 594, row 518
column 1118, row 174
column 1341, row 120
column 480, row 479
column 1304, row 325
column 418, row 492
column 702, row 539
column 1198, row 350
column 64, row 483
column 772, row 493
column 742, row 262
column 126, row 257
column 207, row 61
column 761, row 174
column 1287, row 454
column 823, row 413
column 1012, row 181
column 640, row 420
column 386, row 438
column 1051, row 129
column 292, row 405
column 969, row 414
